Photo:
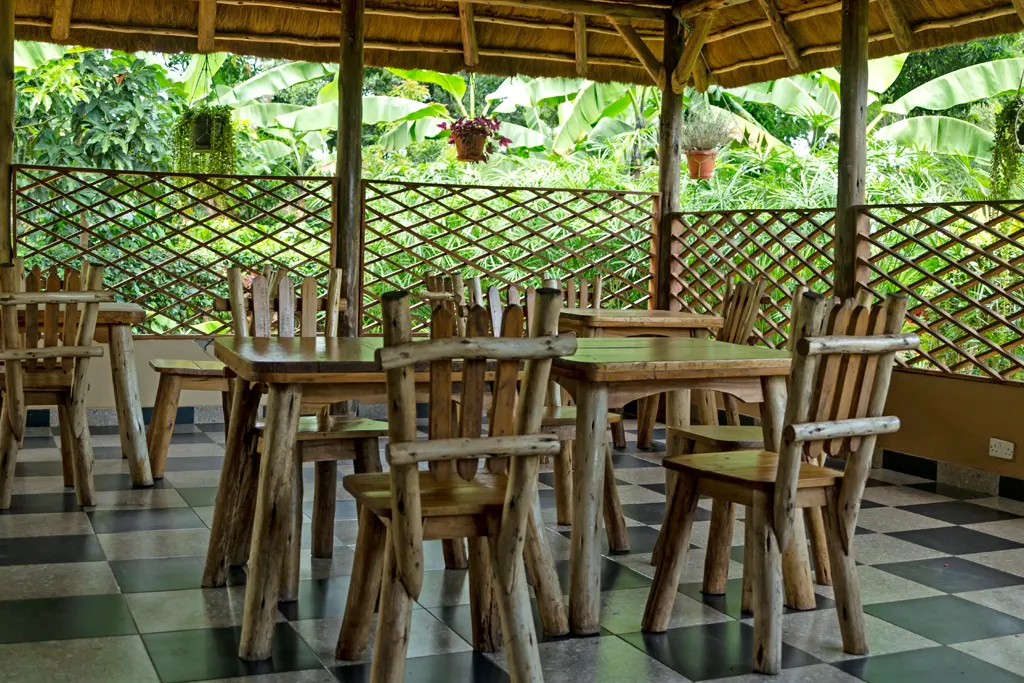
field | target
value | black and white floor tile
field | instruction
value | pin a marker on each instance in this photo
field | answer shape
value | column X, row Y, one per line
column 112, row 594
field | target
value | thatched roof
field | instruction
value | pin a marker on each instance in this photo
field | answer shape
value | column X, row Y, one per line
column 748, row 41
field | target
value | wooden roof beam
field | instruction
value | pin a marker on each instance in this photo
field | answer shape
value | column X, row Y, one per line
column 61, row 28
column 701, row 77
column 900, row 27
column 206, row 26
column 470, row 49
column 692, row 8
column 1019, row 6
column 778, row 26
column 636, row 43
column 579, row 31
column 691, row 50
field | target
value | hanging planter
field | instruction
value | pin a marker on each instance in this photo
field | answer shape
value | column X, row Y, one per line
column 704, row 132
column 1007, row 147
column 474, row 139
column 203, row 141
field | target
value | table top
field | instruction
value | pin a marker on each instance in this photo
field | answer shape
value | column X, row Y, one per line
column 110, row 313
column 342, row 360
column 633, row 359
column 637, row 317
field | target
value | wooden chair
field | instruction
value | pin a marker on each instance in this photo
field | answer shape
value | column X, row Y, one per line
column 50, row 369
column 323, row 439
column 496, row 509
column 838, row 386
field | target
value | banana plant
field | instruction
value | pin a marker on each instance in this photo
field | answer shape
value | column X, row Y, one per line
column 29, row 55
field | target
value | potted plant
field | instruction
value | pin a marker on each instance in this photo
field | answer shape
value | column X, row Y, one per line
column 704, row 132
column 474, row 138
column 203, row 141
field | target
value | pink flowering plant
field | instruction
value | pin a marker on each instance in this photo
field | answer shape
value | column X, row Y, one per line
column 470, row 130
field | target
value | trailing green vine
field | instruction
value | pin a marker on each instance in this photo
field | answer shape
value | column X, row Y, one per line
column 222, row 156
column 1006, row 151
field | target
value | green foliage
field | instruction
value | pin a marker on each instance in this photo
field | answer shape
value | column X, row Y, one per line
column 1006, row 152
column 222, row 156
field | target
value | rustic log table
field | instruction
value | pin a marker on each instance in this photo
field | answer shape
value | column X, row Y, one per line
column 605, row 322
column 608, row 373
column 114, row 326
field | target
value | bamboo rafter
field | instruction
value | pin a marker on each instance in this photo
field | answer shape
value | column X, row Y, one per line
column 506, row 236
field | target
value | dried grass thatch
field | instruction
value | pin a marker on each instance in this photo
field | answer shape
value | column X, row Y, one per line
column 749, row 40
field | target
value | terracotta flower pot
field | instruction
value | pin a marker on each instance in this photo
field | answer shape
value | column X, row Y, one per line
column 471, row 149
column 701, row 163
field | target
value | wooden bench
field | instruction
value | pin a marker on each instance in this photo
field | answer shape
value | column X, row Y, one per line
column 175, row 377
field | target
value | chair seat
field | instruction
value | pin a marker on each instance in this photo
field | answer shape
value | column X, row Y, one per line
column 722, row 437
column 751, row 469
column 338, row 427
column 188, row 368
column 554, row 416
column 486, row 493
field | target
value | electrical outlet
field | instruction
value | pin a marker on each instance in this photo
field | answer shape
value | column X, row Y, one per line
column 997, row 448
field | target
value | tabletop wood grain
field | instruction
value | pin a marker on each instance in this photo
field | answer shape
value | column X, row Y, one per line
column 609, row 317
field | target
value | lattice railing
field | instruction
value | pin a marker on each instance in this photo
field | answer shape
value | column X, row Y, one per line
column 507, row 236
column 789, row 247
column 962, row 266
column 168, row 239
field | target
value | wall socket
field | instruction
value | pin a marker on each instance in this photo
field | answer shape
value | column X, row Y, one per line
column 997, row 448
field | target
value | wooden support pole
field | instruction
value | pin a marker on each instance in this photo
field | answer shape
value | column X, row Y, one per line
column 579, row 30
column 61, row 20
column 900, row 27
column 636, row 43
column 6, row 129
column 348, row 194
column 850, row 226
column 206, row 25
column 785, row 40
column 691, row 52
column 468, row 24
column 1019, row 6
column 669, row 160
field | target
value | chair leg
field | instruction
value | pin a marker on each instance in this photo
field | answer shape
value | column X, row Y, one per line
column 367, row 456
column 675, row 540
column 8, row 459
column 686, row 447
column 66, row 452
column 245, row 510
column 614, row 520
column 553, row 617
column 293, row 558
column 563, row 484
column 618, row 434
column 716, row 560
column 455, row 556
column 393, row 622
column 845, row 584
column 796, row 570
column 81, row 450
column 161, row 423
column 646, row 416
column 766, row 566
column 325, row 491
column 483, row 606
column 747, row 601
column 225, row 404
column 819, row 545
column 364, row 587
column 522, row 655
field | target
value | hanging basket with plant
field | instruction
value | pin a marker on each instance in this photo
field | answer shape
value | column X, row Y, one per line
column 1007, row 147
column 704, row 132
column 203, row 141
column 474, row 138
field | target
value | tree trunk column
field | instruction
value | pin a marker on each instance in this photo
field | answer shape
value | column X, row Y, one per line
column 850, row 226
column 668, row 166
column 348, row 195
column 6, row 128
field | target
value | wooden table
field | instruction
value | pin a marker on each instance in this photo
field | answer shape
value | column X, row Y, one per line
column 608, row 373
column 114, row 325
column 607, row 322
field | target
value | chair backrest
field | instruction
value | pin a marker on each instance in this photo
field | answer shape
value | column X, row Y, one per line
column 514, row 424
column 273, row 292
column 842, row 363
column 740, row 310
column 590, row 292
column 449, row 291
column 67, row 335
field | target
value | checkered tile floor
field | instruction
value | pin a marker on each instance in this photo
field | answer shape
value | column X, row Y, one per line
column 111, row 594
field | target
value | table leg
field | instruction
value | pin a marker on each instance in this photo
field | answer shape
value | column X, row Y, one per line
column 588, row 485
column 129, row 405
column 796, row 568
column 273, row 528
column 245, row 402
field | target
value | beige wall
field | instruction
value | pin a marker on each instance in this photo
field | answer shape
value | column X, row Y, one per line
column 101, row 390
